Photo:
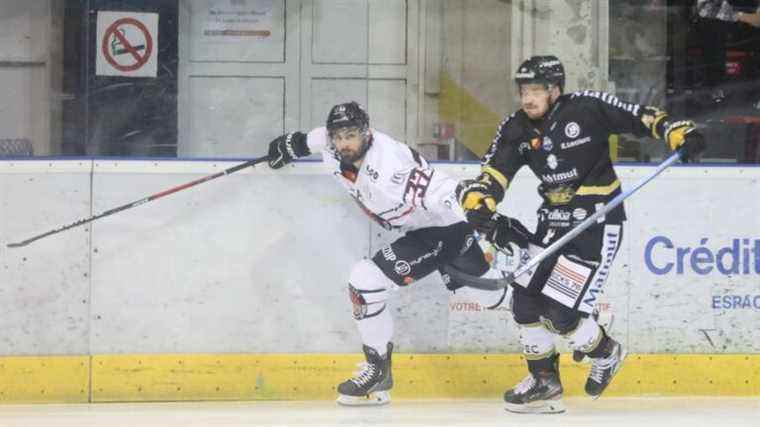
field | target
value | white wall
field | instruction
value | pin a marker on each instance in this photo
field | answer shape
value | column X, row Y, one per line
column 575, row 31
column 238, row 93
column 45, row 291
column 258, row 262
column 30, row 71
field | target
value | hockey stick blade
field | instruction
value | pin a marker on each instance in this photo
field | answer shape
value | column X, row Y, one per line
column 476, row 282
column 136, row 203
column 495, row 284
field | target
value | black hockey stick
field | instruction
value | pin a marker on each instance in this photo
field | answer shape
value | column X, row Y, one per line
column 495, row 284
column 141, row 201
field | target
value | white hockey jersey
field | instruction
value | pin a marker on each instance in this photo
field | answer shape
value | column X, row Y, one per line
column 395, row 186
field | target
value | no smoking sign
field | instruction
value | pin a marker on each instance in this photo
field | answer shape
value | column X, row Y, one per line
column 127, row 44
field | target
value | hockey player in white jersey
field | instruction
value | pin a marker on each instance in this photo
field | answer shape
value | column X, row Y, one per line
column 398, row 189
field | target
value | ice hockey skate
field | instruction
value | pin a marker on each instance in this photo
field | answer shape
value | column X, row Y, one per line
column 372, row 384
column 539, row 393
column 604, row 369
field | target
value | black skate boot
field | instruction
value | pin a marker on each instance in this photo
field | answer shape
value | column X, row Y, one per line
column 371, row 385
column 538, row 393
column 604, row 367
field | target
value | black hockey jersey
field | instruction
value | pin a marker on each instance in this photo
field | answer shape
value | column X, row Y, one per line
column 569, row 150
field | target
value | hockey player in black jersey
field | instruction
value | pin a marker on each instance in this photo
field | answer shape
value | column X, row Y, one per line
column 563, row 139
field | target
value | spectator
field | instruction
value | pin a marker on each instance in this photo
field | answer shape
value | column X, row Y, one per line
column 714, row 20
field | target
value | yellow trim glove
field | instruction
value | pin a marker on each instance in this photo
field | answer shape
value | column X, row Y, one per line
column 478, row 204
column 683, row 136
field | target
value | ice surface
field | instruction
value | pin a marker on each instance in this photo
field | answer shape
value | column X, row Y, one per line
column 608, row 412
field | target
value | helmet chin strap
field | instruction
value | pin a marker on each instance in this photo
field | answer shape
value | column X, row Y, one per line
column 552, row 103
column 549, row 87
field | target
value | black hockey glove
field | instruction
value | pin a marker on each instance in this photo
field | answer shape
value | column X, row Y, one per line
column 478, row 205
column 684, row 136
column 287, row 147
column 693, row 145
column 509, row 231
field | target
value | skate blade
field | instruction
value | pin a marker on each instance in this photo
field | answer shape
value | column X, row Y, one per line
column 376, row 398
column 623, row 355
column 554, row 406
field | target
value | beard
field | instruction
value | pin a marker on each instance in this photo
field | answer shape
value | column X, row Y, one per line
column 533, row 111
column 350, row 156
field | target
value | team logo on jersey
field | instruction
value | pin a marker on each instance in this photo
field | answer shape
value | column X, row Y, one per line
column 560, row 195
column 552, row 161
column 580, row 214
column 548, row 144
column 572, row 130
column 402, row 268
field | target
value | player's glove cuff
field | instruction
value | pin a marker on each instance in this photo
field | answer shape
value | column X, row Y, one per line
column 473, row 194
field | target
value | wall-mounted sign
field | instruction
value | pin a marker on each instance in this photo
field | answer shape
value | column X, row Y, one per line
column 237, row 20
column 127, row 44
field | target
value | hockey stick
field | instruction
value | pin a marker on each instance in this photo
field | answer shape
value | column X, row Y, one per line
column 140, row 202
column 495, row 284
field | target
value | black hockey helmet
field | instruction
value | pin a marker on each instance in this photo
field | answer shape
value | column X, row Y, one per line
column 541, row 69
column 349, row 114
